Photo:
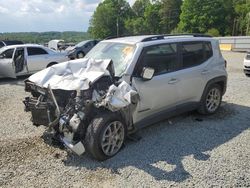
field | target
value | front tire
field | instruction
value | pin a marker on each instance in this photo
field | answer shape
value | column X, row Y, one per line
column 211, row 100
column 105, row 136
column 80, row 55
column 51, row 64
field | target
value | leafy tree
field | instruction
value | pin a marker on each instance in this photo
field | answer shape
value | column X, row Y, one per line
column 146, row 18
column 213, row 32
column 152, row 18
column 136, row 24
column 170, row 12
column 139, row 7
column 241, row 20
column 109, row 18
column 44, row 37
column 198, row 16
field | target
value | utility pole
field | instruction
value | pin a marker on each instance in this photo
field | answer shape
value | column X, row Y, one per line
column 117, row 25
column 117, row 19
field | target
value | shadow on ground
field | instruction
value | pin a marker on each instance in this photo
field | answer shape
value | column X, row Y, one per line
column 171, row 141
column 13, row 81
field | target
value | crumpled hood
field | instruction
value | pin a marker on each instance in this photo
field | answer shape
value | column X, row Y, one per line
column 72, row 75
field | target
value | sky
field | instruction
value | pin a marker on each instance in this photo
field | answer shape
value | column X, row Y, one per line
column 46, row 15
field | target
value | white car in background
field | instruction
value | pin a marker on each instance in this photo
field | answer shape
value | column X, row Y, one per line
column 17, row 60
column 246, row 63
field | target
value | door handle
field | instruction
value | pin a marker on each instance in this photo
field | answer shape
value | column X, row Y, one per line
column 205, row 72
column 173, row 81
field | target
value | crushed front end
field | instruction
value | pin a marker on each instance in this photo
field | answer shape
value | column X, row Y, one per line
column 67, row 113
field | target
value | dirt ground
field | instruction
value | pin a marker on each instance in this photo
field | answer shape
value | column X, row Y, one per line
column 189, row 150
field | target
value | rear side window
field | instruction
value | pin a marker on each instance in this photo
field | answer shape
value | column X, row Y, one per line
column 162, row 58
column 208, row 50
column 7, row 54
column 195, row 53
column 35, row 51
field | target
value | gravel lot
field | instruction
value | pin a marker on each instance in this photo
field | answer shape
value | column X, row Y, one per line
column 188, row 150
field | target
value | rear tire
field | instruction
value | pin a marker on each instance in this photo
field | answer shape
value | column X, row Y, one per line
column 105, row 136
column 211, row 100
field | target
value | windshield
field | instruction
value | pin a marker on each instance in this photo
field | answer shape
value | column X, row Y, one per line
column 80, row 44
column 120, row 54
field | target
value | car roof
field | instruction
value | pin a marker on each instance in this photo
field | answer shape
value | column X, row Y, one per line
column 21, row 45
column 149, row 38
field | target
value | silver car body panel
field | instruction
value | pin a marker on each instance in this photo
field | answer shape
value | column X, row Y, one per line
column 7, row 68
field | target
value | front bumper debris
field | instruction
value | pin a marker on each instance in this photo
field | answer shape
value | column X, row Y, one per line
column 77, row 148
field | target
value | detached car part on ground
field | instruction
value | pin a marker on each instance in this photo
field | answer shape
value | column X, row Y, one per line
column 93, row 104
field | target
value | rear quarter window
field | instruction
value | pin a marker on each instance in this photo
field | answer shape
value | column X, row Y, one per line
column 36, row 51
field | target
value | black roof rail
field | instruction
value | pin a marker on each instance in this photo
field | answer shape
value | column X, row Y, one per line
column 110, row 37
column 151, row 38
column 188, row 34
column 160, row 37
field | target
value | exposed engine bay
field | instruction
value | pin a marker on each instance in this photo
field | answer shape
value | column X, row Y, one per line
column 66, row 97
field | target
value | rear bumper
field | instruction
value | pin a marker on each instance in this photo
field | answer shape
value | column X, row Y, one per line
column 246, row 69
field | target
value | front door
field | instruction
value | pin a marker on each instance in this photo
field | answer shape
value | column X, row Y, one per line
column 158, row 94
column 7, row 68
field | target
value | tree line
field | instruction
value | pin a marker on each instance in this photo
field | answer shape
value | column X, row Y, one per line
column 214, row 17
column 44, row 37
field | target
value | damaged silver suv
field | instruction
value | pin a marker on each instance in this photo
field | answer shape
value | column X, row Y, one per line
column 124, row 84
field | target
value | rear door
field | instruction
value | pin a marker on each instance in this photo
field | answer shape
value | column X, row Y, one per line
column 159, row 93
column 7, row 68
column 192, row 76
column 37, row 58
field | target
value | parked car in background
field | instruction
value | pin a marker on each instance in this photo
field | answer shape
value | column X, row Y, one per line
column 17, row 60
column 9, row 42
column 81, row 49
column 246, row 64
column 56, row 44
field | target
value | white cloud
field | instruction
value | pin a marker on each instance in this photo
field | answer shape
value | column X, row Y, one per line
column 60, row 9
column 46, row 15
column 3, row 10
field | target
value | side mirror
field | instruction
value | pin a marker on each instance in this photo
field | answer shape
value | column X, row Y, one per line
column 147, row 73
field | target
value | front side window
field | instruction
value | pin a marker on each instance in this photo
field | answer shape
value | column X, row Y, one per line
column 7, row 54
column 121, row 54
column 162, row 58
column 36, row 51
